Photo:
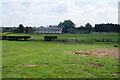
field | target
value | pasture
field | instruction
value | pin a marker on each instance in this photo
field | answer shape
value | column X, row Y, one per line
column 52, row 59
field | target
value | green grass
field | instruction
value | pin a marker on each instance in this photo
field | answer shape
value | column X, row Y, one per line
column 111, row 36
column 53, row 59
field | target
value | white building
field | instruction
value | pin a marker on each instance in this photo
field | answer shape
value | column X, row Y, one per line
column 48, row 30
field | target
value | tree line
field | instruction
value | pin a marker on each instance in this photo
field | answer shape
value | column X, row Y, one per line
column 68, row 24
column 107, row 28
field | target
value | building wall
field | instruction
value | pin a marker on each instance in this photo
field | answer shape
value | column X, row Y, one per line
column 48, row 30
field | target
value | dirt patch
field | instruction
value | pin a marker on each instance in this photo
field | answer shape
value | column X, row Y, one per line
column 99, row 52
column 32, row 65
column 116, row 74
column 97, row 65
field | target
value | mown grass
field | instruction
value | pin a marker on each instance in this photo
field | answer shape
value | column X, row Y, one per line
column 53, row 59
column 87, row 37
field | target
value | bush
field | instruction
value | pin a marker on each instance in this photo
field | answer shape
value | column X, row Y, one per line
column 97, row 40
column 103, row 40
column 16, row 37
column 115, row 45
column 50, row 38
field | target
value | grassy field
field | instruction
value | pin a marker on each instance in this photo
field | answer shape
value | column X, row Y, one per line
column 86, row 37
column 52, row 59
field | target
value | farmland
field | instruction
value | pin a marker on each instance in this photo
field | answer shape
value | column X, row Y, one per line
column 52, row 59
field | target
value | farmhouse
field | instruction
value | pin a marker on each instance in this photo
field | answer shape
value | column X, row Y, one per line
column 47, row 30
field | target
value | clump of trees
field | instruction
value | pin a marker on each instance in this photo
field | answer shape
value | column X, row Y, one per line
column 22, row 29
column 88, row 27
column 107, row 28
column 67, row 24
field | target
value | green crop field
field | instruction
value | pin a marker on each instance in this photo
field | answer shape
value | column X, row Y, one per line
column 52, row 59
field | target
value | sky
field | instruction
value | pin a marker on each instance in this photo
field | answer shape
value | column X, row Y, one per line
column 51, row 12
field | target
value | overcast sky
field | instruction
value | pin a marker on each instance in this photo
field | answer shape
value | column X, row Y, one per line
column 46, row 12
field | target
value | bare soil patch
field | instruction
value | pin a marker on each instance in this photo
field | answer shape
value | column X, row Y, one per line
column 99, row 53
column 116, row 74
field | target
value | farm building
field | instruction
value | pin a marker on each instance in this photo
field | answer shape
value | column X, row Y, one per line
column 75, row 31
column 47, row 30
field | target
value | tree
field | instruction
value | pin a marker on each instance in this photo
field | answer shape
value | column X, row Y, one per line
column 88, row 27
column 81, row 28
column 107, row 27
column 28, row 29
column 67, row 24
column 60, row 24
column 21, row 28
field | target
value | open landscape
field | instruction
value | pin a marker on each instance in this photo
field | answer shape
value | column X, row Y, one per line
column 91, row 56
column 60, row 39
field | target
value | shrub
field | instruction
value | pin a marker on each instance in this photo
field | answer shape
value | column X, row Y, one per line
column 107, row 40
column 115, row 45
column 97, row 40
column 16, row 37
column 50, row 38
